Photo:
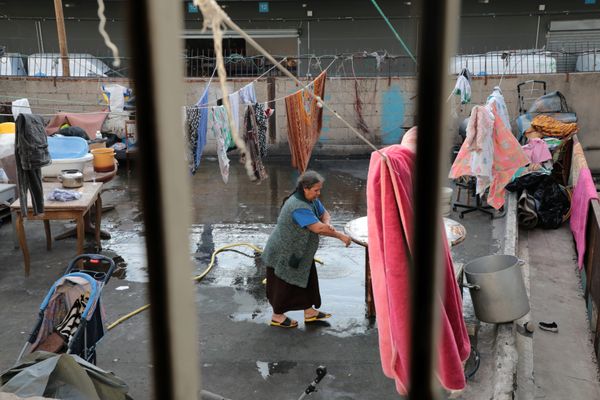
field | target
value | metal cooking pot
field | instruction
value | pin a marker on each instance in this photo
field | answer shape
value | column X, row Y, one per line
column 71, row 178
column 497, row 288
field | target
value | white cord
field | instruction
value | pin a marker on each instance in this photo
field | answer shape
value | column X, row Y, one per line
column 107, row 41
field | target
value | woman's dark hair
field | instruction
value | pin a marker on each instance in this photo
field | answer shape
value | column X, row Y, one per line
column 305, row 181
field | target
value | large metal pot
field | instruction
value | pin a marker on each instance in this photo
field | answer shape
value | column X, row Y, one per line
column 497, row 288
column 71, row 178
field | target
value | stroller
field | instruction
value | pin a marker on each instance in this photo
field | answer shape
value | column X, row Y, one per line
column 71, row 317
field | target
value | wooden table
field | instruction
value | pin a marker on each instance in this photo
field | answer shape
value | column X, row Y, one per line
column 58, row 210
column 358, row 230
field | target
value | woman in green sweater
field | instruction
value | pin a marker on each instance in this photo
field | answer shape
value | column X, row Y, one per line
column 292, row 282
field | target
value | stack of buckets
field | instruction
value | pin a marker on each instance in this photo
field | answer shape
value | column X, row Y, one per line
column 446, row 201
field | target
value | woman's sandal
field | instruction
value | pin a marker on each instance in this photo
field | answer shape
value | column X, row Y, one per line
column 319, row 317
column 286, row 323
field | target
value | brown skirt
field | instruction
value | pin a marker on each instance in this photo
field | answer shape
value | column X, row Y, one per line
column 286, row 297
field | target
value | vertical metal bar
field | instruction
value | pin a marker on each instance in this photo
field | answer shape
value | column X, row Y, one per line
column 158, row 75
column 438, row 40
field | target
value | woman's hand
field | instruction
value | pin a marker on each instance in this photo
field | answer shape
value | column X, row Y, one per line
column 346, row 239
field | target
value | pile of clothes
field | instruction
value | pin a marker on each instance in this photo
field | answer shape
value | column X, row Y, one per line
column 544, row 198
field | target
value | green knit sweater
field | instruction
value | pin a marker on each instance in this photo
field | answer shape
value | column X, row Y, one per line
column 291, row 249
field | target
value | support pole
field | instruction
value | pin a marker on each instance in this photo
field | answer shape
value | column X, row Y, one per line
column 158, row 75
column 62, row 37
column 440, row 22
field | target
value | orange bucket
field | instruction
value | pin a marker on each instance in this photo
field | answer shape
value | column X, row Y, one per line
column 104, row 159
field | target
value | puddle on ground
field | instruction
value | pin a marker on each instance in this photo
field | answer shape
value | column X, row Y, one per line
column 245, row 212
column 266, row 369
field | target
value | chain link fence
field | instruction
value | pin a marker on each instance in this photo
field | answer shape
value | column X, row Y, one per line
column 201, row 63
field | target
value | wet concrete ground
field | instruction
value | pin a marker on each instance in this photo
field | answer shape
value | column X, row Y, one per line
column 241, row 356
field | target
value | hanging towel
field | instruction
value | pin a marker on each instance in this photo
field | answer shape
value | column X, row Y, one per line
column 463, row 89
column 252, row 146
column 537, row 151
column 20, row 106
column 234, row 102
column 584, row 192
column 390, row 223
column 202, row 127
column 192, row 121
column 31, row 154
column 508, row 158
column 222, row 132
column 480, row 142
column 248, row 94
column 497, row 98
column 304, row 120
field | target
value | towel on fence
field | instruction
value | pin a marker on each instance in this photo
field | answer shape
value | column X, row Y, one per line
column 64, row 195
column 304, row 121
column 390, row 223
column 585, row 190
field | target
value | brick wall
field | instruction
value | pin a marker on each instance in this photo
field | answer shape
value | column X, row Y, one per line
column 388, row 105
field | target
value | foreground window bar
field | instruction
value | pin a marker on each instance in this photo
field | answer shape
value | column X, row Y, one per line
column 440, row 21
column 158, row 76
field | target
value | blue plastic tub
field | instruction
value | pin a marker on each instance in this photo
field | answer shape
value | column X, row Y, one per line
column 67, row 147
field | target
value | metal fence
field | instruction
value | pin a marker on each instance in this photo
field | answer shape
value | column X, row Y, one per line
column 201, row 63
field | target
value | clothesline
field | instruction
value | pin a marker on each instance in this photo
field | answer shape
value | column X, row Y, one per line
column 268, row 101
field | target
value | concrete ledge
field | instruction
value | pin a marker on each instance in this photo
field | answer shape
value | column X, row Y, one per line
column 505, row 350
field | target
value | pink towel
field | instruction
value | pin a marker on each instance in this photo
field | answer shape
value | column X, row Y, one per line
column 90, row 123
column 585, row 190
column 390, row 216
column 537, row 151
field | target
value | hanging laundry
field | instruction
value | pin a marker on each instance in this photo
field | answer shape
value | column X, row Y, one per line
column 202, row 128
column 252, row 146
column 222, row 131
column 192, row 121
column 234, row 102
column 497, row 98
column 304, row 121
column 248, row 94
column 261, row 124
column 390, row 226
column 480, row 143
column 463, row 89
column 508, row 158
column 537, row 151
column 31, row 154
